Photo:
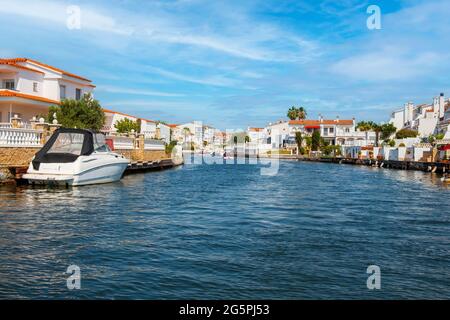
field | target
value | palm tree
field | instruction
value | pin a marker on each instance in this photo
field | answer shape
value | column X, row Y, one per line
column 301, row 113
column 377, row 128
column 186, row 131
column 292, row 113
column 364, row 126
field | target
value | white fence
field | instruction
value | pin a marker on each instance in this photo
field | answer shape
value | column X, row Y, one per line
column 153, row 144
column 122, row 143
column 11, row 137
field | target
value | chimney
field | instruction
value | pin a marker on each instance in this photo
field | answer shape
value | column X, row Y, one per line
column 441, row 106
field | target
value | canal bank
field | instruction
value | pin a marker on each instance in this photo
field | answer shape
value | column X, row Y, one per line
column 434, row 167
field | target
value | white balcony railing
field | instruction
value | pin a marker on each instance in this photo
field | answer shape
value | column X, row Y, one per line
column 122, row 143
column 153, row 144
column 12, row 137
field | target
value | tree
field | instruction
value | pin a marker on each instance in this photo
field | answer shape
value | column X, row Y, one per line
column 85, row 113
column 247, row 139
column 126, row 125
column 387, row 130
column 292, row 113
column 377, row 129
column 170, row 146
column 299, row 139
column 315, row 140
column 296, row 113
column 301, row 113
column 406, row 133
column 364, row 126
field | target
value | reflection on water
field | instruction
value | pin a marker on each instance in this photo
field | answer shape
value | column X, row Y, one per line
column 225, row 231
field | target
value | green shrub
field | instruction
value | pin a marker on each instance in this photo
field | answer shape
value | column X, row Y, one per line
column 302, row 150
column 406, row 133
column 170, row 146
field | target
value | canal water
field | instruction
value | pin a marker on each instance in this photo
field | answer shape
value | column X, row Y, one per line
column 228, row 232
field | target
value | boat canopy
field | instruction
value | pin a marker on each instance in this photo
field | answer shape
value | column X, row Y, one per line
column 66, row 145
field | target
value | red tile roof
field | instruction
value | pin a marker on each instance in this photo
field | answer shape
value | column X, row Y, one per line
column 9, row 93
column 126, row 115
column 24, row 60
column 256, row 129
column 15, row 65
column 318, row 122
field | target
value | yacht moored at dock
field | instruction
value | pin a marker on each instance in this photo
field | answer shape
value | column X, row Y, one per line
column 76, row 157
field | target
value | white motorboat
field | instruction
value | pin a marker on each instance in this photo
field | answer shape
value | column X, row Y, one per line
column 76, row 157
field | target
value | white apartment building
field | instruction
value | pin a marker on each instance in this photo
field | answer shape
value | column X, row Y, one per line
column 424, row 118
column 28, row 88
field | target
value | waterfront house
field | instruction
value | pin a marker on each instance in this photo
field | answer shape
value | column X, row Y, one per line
column 149, row 128
column 257, row 135
column 424, row 118
column 192, row 132
column 277, row 133
column 335, row 132
column 29, row 88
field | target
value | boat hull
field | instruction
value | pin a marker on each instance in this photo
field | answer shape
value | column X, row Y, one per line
column 95, row 169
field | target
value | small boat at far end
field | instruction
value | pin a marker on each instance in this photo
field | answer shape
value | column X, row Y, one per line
column 75, row 157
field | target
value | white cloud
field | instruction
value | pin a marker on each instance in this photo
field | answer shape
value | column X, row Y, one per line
column 242, row 40
column 219, row 80
column 140, row 92
column 384, row 66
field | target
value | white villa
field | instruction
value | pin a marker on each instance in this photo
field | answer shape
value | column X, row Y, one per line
column 29, row 88
column 150, row 128
column 336, row 132
column 277, row 133
column 427, row 119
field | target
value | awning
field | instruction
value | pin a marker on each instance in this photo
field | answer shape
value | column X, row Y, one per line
column 444, row 147
column 312, row 127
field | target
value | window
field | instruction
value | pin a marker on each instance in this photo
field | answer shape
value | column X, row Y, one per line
column 331, row 130
column 77, row 94
column 325, row 131
column 62, row 92
column 9, row 84
column 35, row 87
column 347, row 130
column 68, row 143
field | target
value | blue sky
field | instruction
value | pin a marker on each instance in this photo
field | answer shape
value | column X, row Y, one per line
column 241, row 63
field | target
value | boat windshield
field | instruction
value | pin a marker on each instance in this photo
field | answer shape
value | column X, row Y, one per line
column 100, row 143
column 71, row 143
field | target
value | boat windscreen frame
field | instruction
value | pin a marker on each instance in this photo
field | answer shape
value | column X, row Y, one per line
column 42, row 156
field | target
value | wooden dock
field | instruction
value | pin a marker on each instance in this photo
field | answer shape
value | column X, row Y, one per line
column 144, row 166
